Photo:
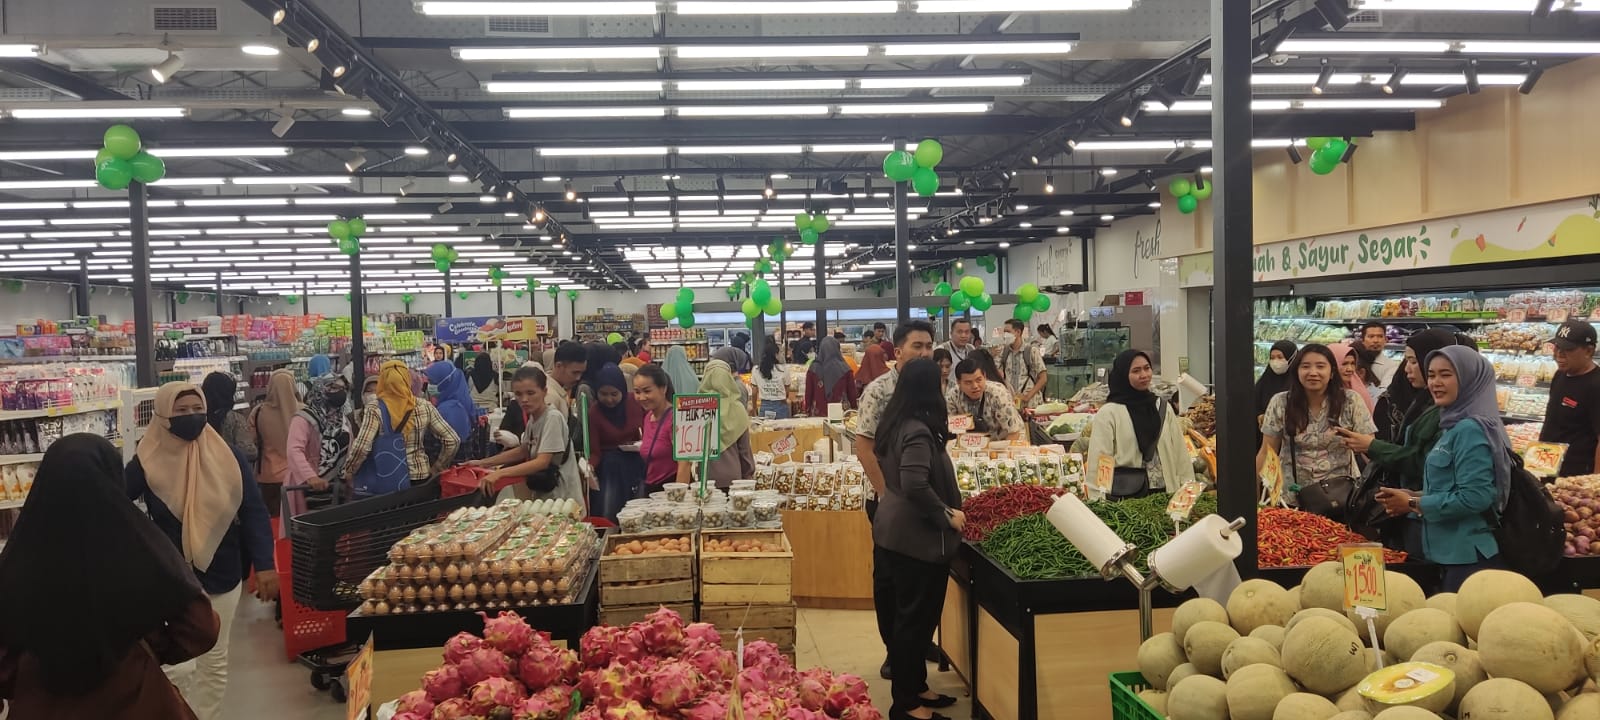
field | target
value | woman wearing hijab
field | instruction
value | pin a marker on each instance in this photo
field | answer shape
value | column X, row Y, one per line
column 736, row 462
column 485, row 385
column 874, row 362
column 614, row 420
column 1349, row 368
column 454, row 402
column 1274, row 379
column 62, row 653
column 320, row 365
column 319, row 440
column 414, row 420
column 598, row 355
column 1139, row 431
column 202, row 495
column 829, row 380
column 219, row 389
column 678, row 368
column 269, row 423
column 1468, row 472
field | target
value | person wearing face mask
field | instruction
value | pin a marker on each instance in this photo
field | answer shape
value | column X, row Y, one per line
column 1274, row 379
column 319, row 440
column 203, row 496
column 219, row 388
column 1020, row 362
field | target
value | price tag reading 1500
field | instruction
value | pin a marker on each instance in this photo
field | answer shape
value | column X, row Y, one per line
column 1363, row 576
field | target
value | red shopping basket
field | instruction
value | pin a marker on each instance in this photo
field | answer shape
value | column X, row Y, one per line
column 304, row 629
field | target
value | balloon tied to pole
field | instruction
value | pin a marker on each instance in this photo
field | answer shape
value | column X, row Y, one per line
column 553, row 291
column 761, row 302
column 444, row 256
column 1327, row 153
column 1189, row 192
column 497, row 275
column 407, row 299
column 123, row 160
column 916, row 166
column 292, row 299
column 811, row 227
column 681, row 308
column 347, row 232
column 1029, row 301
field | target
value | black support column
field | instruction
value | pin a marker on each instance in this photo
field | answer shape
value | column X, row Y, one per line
column 447, row 305
column 219, row 294
column 499, row 301
column 358, row 341
column 81, row 294
column 1231, row 237
column 902, row 251
column 144, row 326
column 821, row 269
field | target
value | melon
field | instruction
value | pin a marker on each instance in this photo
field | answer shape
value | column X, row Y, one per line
column 1323, row 655
column 1591, row 659
column 1294, row 594
column 1338, row 617
column 1486, row 590
column 1419, row 627
column 1582, row 707
column 1352, row 715
column 1156, row 699
column 1351, row 700
column 1504, row 699
column 1180, row 672
column 1248, row 651
column 1195, row 611
column 1405, row 712
column 1259, row 602
column 1270, row 633
column 1198, row 697
column 1323, row 587
column 1157, row 657
column 1532, row 643
column 1304, row 706
column 1465, row 663
column 1255, row 690
column 1413, row 684
column 1443, row 601
column 1580, row 610
column 1205, row 643
column 1403, row 594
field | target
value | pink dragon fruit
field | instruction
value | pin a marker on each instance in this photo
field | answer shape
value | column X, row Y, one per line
column 541, row 667
column 704, row 632
column 861, row 711
column 571, row 666
column 598, row 645
column 551, row 703
column 811, row 694
column 482, row 664
column 416, row 701
column 763, row 652
column 800, row 713
column 495, row 692
column 631, row 646
column 761, row 706
column 752, row 679
column 710, row 706
column 443, row 683
column 630, row 710
column 508, row 633
column 844, row 692
column 675, row 684
column 716, row 664
column 453, row 709
column 663, row 632
column 590, row 713
column 410, row 716
column 457, row 647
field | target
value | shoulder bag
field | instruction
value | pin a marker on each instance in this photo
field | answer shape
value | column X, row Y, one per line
column 1329, row 497
column 548, row 479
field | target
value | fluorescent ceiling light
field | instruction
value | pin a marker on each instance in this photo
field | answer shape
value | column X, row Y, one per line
column 909, row 109
column 18, row 50
column 525, row 113
column 1369, row 104
column 445, row 8
column 852, row 147
column 240, row 202
column 195, row 219
column 113, row 113
column 742, row 150
column 794, row 7
column 943, row 81
column 571, row 86
column 355, row 112
column 211, row 152
column 416, row 150
column 291, row 180
column 1522, row 6
column 260, row 49
column 187, row 181
column 614, row 52
column 104, row 204
column 1315, row 46
column 349, row 200
column 1346, row 79
column 88, row 221
column 751, row 110
column 1502, row 79
column 1039, row 47
column 1016, row 6
column 761, row 84
column 1525, row 47
column 44, row 184
column 601, row 151
column 33, row 206
column 770, row 51
column 457, row 178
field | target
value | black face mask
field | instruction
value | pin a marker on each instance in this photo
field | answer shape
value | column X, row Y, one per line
column 187, row 427
column 336, row 399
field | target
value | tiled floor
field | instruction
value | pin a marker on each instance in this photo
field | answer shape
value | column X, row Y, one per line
column 261, row 685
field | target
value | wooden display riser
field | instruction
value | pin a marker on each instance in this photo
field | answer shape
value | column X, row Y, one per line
column 629, row 614
column 832, row 558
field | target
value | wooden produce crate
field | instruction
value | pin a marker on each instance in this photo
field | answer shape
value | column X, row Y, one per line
column 746, row 577
column 775, row 623
column 635, row 585
column 629, row 614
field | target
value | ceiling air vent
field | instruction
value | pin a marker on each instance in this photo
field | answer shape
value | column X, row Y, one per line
column 1366, row 19
column 519, row 25
column 185, row 19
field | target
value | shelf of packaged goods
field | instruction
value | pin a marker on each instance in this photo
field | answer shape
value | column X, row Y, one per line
column 65, row 358
column 241, row 406
column 19, row 459
column 701, row 341
column 1396, row 320
column 59, row 411
column 1520, row 418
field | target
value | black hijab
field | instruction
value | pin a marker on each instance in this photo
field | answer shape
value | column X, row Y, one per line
column 1141, row 404
column 1418, row 401
column 86, row 575
column 1271, row 383
column 483, row 374
column 218, row 388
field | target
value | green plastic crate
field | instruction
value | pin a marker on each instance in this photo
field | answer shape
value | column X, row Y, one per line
column 1125, row 701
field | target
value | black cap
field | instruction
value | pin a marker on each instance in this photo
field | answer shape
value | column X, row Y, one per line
column 1574, row 334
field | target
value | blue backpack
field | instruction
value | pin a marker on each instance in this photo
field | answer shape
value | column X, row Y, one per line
column 385, row 469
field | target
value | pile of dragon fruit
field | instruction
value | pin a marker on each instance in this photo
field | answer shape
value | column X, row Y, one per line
column 657, row 669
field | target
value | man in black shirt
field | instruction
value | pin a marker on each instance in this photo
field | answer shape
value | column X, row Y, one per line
column 1573, row 415
column 807, row 343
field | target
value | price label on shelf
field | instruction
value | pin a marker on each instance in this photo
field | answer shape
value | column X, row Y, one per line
column 1517, row 315
column 1527, row 380
column 785, row 445
column 1103, row 473
column 1557, row 315
column 1183, row 500
column 960, row 423
column 974, row 441
column 1363, row 576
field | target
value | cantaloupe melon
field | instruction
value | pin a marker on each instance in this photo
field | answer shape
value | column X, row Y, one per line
column 1156, row 699
column 1255, row 690
column 1158, row 656
column 1270, row 633
column 1413, row 684
column 1205, row 643
column 1504, row 699
column 1194, row 611
column 1198, row 697
column 1259, row 602
column 1304, row 706
column 1582, row 707
column 1323, row 655
column 1419, row 627
column 1338, row 617
column 1443, row 601
column 1580, row 610
column 1350, row 700
column 1403, row 595
column 1532, row 643
column 1405, row 713
column 1294, row 594
column 1486, row 590
column 1180, row 672
column 1323, row 587
column 1352, row 715
column 1248, row 651
column 1465, row 663
column 1591, row 660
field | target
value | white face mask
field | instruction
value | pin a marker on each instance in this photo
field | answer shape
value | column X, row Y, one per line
column 1009, row 337
column 1278, row 366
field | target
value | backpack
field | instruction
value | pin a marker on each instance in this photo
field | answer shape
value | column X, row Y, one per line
column 385, row 470
column 1529, row 530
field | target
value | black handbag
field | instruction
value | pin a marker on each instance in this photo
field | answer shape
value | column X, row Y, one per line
column 549, row 478
column 1366, row 515
column 1129, row 483
column 1329, row 497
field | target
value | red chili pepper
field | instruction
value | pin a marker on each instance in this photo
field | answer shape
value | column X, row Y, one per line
column 1289, row 537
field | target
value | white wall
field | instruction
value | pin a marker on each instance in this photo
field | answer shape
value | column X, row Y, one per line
column 54, row 301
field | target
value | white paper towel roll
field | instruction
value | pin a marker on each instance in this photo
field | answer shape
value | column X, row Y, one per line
column 835, row 411
column 1195, row 387
column 1196, row 553
column 1098, row 543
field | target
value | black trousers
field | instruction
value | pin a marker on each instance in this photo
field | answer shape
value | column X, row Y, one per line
column 909, row 593
column 881, row 585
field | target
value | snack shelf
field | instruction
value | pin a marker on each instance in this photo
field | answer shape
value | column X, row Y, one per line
column 59, row 411
column 1408, row 320
column 39, row 359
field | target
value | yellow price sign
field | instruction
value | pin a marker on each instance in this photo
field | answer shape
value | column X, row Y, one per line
column 358, row 683
column 1104, row 472
column 1363, row 576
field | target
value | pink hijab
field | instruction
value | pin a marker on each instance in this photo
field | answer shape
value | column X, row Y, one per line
column 1340, row 352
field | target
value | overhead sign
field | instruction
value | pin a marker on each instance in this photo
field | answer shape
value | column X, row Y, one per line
column 464, row 329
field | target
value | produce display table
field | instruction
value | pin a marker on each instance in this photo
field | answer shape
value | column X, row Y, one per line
column 832, row 558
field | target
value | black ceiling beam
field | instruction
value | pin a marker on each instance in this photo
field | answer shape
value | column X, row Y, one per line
column 445, row 43
column 54, row 78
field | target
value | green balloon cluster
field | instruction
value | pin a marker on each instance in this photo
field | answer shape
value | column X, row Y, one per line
column 444, row 256
column 779, row 251
column 292, row 299
column 408, row 298
column 761, row 267
column 123, row 160
column 497, row 276
column 988, row 262
column 1189, row 192
column 733, row 291
column 1326, row 153
column 916, row 166
column 811, row 227
column 761, row 301
column 553, row 291
column 572, row 295
column 518, row 293
column 533, row 283
column 680, row 309
column 1030, row 301
column 347, row 234
column 183, row 297
column 969, row 293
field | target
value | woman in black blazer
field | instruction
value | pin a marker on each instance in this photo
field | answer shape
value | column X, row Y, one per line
column 916, row 532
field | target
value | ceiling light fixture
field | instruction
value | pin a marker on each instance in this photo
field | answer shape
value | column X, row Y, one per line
column 1049, row 184
column 1473, row 86
column 515, row 8
column 1108, row 172
column 312, row 45
column 284, row 123
column 451, row 159
column 291, row 180
column 751, row 110
column 164, row 70
column 1349, row 152
column 1019, row 6
column 1335, row 12
column 1534, row 73
column 70, row 113
column 768, row 191
column 700, row 52
column 1342, row 46
column 355, row 162
column 446, row 206
column 570, row 193
column 416, row 151
column 787, row 7
column 1107, row 218
column 260, row 49
column 1177, row 152
column 915, row 109
column 1323, row 76
column 741, row 150
column 1393, row 83
column 355, row 112
column 571, row 86
column 1191, row 82
column 602, row 151
column 1294, row 153
column 1130, row 113
column 1160, row 94
column 1036, row 47
column 407, row 187
column 613, row 52
column 554, row 113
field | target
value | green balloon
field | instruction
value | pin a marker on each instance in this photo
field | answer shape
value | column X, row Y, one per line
column 802, row 221
column 1180, row 187
column 453, row 254
column 773, row 307
column 123, row 141
column 929, row 153
column 925, row 181
column 291, row 299
column 943, row 289
column 899, row 166
column 442, row 265
column 408, row 298
column 685, row 308
column 761, row 293
column 572, row 294
column 1187, row 204
column 1041, row 303
column 553, row 291
column 972, row 286
column 1023, row 312
column 518, row 293
column 766, row 266
column 102, row 156
column 1335, row 148
column 1202, row 190
column 669, row 311
column 463, row 294
column 1316, row 143
column 809, row 236
column 147, row 168
column 339, row 230
column 960, row 302
column 686, row 320
column 983, row 302
column 1321, row 165
column 934, row 311
column 114, row 174
column 358, row 228
column 1028, row 293
column 349, row 246
column 750, row 308
column 733, row 292
column 820, row 224
column 685, row 294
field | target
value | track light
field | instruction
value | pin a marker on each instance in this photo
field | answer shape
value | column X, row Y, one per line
column 1191, row 83
column 1161, row 95
column 355, row 162
column 1473, row 85
column 538, row 215
column 409, row 186
column 279, row 15
column 451, row 159
column 1280, row 33
column 1542, row 8
column 1294, row 153
column 1149, row 179
column 722, row 186
column 282, row 126
column 338, row 71
column 767, row 191
column 1321, row 85
column 1172, row 157
column 1335, row 12
column 1349, row 151
column 312, row 45
column 1105, row 125
column 446, row 206
column 1393, row 83
column 1534, row 73
column 1072, row 140
column 1049, row 184
column 618, row 185
column 1131, row 112
column 511, row 192
column 164, row 70
column 571, row 194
